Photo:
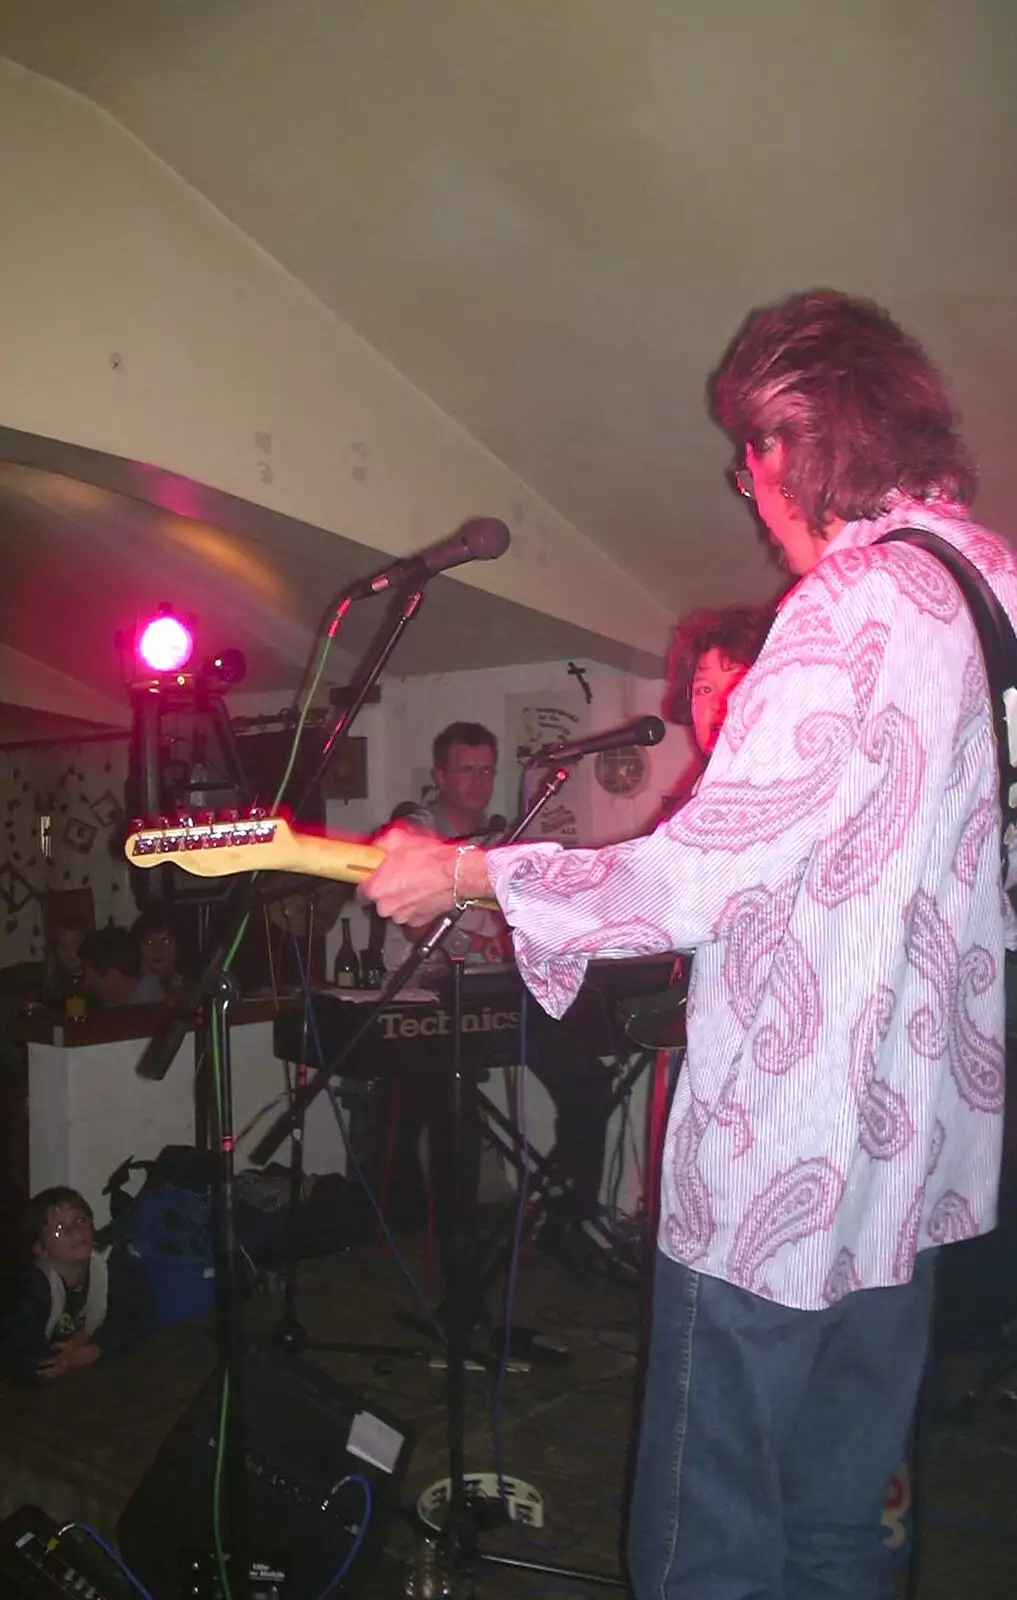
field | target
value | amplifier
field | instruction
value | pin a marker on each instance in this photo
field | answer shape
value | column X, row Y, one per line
column 36, row 1563
column 303, row 1433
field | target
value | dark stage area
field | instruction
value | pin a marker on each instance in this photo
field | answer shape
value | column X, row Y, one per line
column 80, row 1447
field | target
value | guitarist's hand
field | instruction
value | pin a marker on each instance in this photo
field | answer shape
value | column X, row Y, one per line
column 414, row 882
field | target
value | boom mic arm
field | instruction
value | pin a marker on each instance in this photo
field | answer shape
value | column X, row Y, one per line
column 479, row 539
column 643, row 731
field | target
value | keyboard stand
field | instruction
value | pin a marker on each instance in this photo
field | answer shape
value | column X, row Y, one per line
column 549, row 1189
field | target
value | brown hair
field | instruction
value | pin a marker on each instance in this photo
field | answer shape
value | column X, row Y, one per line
column 738, row 632
column 858, row 405
column 468, row 733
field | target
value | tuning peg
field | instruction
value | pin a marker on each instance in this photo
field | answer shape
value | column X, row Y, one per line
column 229, row 814
column 136, row 825
column 256, row 813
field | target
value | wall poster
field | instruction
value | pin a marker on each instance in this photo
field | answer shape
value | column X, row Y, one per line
column 533, row 721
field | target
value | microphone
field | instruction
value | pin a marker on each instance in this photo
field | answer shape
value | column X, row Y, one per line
column 645, row 730
column 479, row 539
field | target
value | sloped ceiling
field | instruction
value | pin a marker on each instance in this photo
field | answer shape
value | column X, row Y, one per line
column 550, row 215
column 79, row 558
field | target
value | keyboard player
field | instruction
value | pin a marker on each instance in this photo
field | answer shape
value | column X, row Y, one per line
column 465, row 757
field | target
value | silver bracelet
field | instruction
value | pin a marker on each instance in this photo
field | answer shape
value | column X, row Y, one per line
column 457, row 901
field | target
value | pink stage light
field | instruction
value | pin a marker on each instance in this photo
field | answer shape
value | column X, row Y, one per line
column 165, row 645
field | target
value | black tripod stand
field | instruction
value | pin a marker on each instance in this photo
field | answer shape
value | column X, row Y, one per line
column 552, row 1189
column 464, row 1516
column 289, row 1333
column 231, row 1535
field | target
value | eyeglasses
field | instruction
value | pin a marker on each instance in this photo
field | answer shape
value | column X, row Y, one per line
column 472, row 772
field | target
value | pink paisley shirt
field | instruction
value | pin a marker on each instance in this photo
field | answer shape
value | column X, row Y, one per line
column 837, row 875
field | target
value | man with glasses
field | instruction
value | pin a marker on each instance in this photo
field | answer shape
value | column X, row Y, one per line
column 465, row 764
column 464, row 767
column 840, row 1115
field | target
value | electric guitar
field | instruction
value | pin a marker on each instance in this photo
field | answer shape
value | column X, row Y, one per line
column 219, row 847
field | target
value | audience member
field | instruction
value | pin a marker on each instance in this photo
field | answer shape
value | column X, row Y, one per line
column 76, row 1304
column 157, row 940
column 709, row 655
column 111, row 959
column 64, row 967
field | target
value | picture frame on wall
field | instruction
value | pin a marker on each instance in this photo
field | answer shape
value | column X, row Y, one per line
column 345, row 776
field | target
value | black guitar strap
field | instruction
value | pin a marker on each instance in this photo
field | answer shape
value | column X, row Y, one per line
column 999, row 652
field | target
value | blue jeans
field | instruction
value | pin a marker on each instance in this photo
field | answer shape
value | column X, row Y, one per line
column 769, row 1437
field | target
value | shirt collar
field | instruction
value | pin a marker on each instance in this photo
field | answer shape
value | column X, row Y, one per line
column 902, row 511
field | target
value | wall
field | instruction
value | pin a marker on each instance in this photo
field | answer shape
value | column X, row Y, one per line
column 81, row 785
column 89, row 1110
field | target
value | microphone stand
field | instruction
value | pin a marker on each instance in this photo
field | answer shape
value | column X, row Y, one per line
column 161, row 1050
column 210, row 997
column 460, row 1529
column 288, row 1333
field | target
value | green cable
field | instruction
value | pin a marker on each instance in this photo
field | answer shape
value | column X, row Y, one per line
column 302, row 718
column 220, row 1452
column 288, row 773
column 224, row 1400
column 220, row 1444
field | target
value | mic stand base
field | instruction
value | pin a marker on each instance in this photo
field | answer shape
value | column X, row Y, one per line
column 460, row 1529
column 465, row 1518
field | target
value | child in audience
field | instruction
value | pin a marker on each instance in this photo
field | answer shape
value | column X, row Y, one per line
column 76, row 1304
column 157, row 940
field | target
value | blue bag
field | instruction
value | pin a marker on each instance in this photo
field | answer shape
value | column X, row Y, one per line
column 168, row 1230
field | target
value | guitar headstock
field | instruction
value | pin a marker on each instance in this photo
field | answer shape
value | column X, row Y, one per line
column 211, row 845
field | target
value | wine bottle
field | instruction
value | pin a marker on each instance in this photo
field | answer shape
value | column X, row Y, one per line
column 372, row 967
column 372, row 957
column 346, row 973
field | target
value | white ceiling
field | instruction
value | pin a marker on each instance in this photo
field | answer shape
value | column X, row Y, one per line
column 550, row 215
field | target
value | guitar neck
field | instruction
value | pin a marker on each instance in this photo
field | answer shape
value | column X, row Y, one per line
column 342, row 860
column 230, row 845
